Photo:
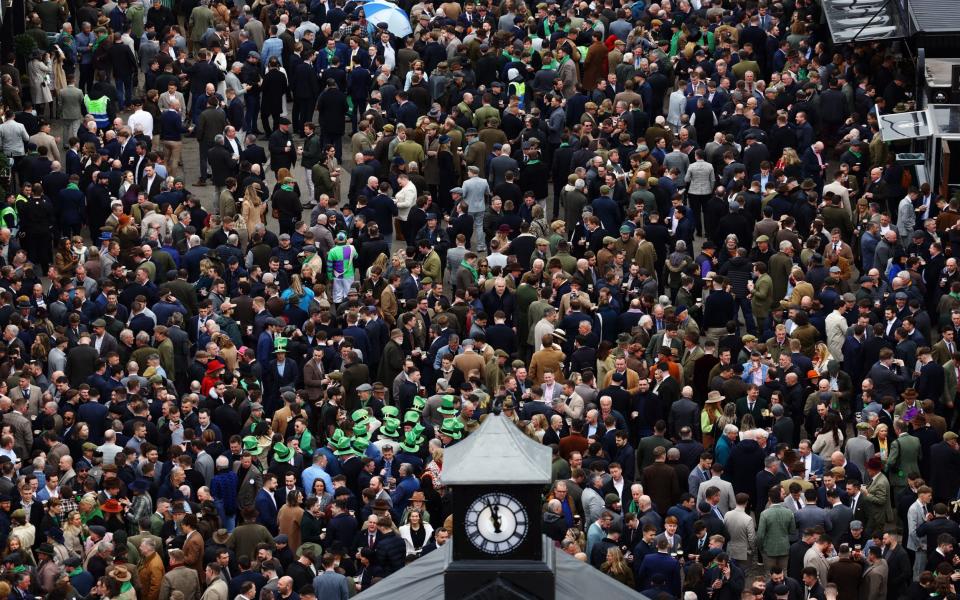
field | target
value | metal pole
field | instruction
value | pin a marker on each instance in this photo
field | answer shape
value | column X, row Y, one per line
column 867, row 24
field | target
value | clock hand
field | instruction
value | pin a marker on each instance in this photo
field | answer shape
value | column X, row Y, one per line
column 495, row 517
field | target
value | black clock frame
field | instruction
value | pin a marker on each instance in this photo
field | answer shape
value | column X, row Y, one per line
column 529, row 496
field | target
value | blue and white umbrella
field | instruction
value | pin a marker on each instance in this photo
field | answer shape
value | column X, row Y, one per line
column 381, row 11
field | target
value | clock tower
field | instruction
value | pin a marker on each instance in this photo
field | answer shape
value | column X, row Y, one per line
column 497, row 475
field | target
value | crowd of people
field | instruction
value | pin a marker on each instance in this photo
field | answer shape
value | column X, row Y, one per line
column 665, row 239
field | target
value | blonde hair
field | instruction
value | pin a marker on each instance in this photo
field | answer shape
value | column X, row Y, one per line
column 790, row 157
column 251, row 195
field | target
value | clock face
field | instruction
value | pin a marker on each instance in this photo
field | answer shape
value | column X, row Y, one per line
column 496, row 523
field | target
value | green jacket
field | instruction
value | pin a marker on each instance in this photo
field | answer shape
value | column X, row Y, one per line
column 201, row 19
column 432, row 267
column 322, row 182
column 777, row 525
column 877, row 498
column 135, row 15
column 526, row 295
column 762, row 296
column 483, row 113
column 780, row 267
column 568, row 262
column 904, row 458
column 312, row 151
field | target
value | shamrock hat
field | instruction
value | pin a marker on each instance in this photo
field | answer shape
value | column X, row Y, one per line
column 360, row 417
column 360, row 431
column 391, row 411
column 418, row 429
column 336, row 437
column 251, row 445
column 343, row 447
column 452, row 428
column 411, row 416
column 390, row 428
column 419, row 403
column 410, row 443
column 446, row 406
column 360, row 445
column 281, row 452
column 280, row 345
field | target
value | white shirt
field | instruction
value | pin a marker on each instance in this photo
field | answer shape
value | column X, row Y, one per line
column 549, row 392
column 234, row 145
column 144, row 120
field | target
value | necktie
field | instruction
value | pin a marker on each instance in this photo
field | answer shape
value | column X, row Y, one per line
column 853, row 505
column 370, row 539
column 750, row 406
column 950, row 347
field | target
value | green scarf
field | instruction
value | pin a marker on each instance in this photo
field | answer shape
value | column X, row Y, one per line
column 552, row 65
column 91, row 515
column 100, row 40
column 75, row 572
column 473, row 270
column 126, row 587
column 286, row 187
column 306, row 441
column 73, row 186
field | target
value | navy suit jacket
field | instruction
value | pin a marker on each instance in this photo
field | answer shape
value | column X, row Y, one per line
column 267, row 510
column 273, row 381
column 658, row 562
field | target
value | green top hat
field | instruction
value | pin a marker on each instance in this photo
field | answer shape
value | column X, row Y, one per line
column 360, row 445
column 360, row 417
column 280, row 345
column 281, row 452
column 452, row 428
column 336, row 437
column 391, row 411
column 411, row 416
column 419, row 403
column 418, row 429
column 446, row 406
column 343, row 447
column 410, row 443
column 390, row 428
column 250, row 445
column 360, row 431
